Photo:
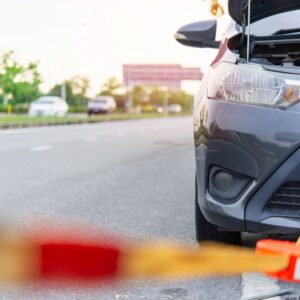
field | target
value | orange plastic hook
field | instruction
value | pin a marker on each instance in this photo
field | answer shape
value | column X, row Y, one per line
column 290, row 249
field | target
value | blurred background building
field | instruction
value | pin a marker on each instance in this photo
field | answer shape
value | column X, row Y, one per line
column 169, row 76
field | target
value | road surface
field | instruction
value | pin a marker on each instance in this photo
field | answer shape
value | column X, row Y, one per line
column 133, row 177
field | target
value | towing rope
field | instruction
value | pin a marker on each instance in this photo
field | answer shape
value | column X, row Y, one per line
column 85, row 259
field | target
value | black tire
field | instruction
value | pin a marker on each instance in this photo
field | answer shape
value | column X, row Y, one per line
column 206, row 231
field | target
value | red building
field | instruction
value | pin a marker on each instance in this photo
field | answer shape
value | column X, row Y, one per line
column 166, row 75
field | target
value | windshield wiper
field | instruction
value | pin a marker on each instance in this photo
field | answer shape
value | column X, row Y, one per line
column 287, row 31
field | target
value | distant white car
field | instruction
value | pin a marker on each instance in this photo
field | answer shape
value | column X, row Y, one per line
column 48, row 106
column 175, row 109
column 102, row 104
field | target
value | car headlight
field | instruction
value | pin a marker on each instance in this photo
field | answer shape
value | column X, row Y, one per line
column 253, row 85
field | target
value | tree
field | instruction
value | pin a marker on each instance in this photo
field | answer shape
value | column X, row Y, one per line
column 18, row 82
column 139, row 95
column 110, row 87
column 182, row 98
column 158, row 95
column 56, row 90
column 79, row 85
column 76, row 89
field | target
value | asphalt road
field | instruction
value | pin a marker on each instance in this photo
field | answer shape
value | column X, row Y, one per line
column 133, row 177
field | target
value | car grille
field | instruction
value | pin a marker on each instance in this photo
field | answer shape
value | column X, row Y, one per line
column 286, row 200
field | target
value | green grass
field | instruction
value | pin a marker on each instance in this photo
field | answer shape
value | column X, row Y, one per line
column 19, row 121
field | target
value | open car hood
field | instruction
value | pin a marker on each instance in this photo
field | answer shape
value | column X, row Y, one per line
column 260, row 9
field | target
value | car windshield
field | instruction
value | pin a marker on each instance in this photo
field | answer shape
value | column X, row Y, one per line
column 46, row 100
column 100, row 101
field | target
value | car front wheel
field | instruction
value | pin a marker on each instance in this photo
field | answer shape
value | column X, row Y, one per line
column 206, row 231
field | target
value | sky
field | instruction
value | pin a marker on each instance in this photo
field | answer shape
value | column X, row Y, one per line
column 94, row 38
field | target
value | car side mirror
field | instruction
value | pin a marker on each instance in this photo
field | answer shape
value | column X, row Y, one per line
column 200, row 34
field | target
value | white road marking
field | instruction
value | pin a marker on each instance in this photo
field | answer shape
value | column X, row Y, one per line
column 40, row 148
column 254, row 284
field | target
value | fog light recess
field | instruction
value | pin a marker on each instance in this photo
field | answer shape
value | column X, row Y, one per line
column 226, row 184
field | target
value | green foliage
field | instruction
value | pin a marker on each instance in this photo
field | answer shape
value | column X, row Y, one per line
column 20, row 83
column 77, row 109
column 17, row 121
column 56, row 90
column 20, row 108
column 138, row 95
column 76, row 89
column 110, row 87
column 79, row 86
column 182, row 98
column 158, row 95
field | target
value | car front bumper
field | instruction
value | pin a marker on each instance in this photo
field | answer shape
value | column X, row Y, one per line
column 98, row 110
column 259, row 143
column 40, row 113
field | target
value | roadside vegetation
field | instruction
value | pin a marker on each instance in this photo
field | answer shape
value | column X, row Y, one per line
column 23, row 121
column 20, row 85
